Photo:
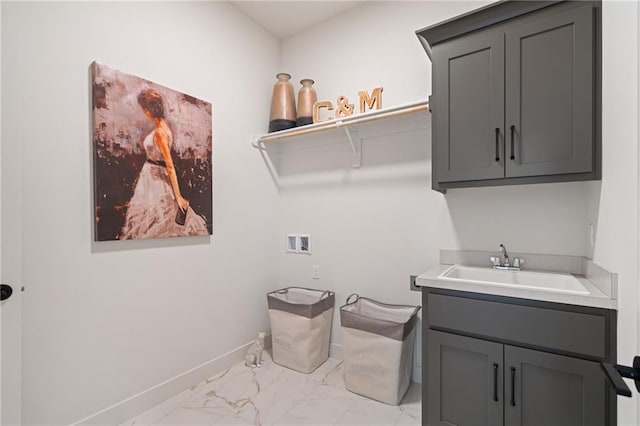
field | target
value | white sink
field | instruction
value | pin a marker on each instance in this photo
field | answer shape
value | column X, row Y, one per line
column 546, row 281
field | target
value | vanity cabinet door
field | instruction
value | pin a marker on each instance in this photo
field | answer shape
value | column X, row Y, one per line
column 548, row 390
column 468, row 114
column 465, row 383
column 549, row 94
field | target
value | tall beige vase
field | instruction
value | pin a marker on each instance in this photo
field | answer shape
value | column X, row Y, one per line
column 283, row 105
column 306, row 98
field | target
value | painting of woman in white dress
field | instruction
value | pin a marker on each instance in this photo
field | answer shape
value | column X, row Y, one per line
column 153, row 148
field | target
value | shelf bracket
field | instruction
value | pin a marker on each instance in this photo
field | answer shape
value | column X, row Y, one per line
column 254, row 141
column 356, row 146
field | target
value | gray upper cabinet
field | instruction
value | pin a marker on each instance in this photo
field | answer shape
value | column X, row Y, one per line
column 549, row 102
column 469, row 78
column 516, row 94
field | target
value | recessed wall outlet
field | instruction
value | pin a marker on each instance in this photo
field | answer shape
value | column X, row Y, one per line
column 412, row 283
column 315, row 272
column 304, row 243
column 292, row 243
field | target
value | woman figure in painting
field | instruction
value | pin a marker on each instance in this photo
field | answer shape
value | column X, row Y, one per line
column 157, row 208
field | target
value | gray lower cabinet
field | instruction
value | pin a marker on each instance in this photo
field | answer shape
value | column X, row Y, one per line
column 476, row 382
column 516, row 101
column 493, row 360
column 549, row 390
column 464, row 381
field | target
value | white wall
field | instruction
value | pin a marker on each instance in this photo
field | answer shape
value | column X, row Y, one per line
column 104, row 321
column 376, row 225
column 617, row 195
column 0, row 222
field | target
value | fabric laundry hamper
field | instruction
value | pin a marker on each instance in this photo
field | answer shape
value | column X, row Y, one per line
column 300, row 327
column 378, row 348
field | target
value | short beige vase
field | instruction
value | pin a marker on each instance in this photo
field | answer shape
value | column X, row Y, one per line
column 283, row 105
column 307, row 96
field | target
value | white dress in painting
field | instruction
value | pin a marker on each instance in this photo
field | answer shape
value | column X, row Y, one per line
column 152, row 209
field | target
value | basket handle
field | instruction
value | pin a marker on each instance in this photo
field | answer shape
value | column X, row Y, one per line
column 350, row 296
column 325, row 294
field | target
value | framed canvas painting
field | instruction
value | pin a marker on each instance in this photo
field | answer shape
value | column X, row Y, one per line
column 153, row 174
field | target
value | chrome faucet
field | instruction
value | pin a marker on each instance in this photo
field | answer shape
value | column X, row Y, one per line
column 498, row 263
column 506, row 262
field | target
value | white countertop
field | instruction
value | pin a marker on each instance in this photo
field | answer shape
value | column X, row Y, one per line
column 596, row 297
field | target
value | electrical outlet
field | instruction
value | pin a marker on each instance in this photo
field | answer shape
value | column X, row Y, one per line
column 412, row 283
column 315, row 272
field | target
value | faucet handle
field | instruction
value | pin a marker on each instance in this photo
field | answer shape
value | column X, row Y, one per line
column 495, row 260
column 518, row 262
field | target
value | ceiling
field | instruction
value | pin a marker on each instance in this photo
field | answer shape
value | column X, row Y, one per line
column 286, row 18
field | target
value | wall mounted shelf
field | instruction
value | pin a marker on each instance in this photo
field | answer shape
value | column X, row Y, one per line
column 354, row 128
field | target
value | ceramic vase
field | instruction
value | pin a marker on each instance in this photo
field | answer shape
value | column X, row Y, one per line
column 306, row 98
column 283, row 105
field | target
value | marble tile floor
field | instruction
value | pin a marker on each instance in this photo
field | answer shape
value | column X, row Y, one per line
column 274, row 395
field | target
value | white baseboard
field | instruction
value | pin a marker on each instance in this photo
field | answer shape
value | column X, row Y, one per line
column 336, row 352
column 136, row 404
column 416, row 374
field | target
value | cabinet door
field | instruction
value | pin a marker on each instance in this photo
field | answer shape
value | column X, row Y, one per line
column 549, row 390
column 468, row 114
column 549, row 94
column 464, row 381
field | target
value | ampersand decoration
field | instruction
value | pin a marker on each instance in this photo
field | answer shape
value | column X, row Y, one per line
column 344, row 108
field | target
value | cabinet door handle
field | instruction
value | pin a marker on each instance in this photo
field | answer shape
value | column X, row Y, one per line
column 495, row 382
column 5, row 291
column 615, row 378
column 513, row 386
column 513, row 129
column 497, row 144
